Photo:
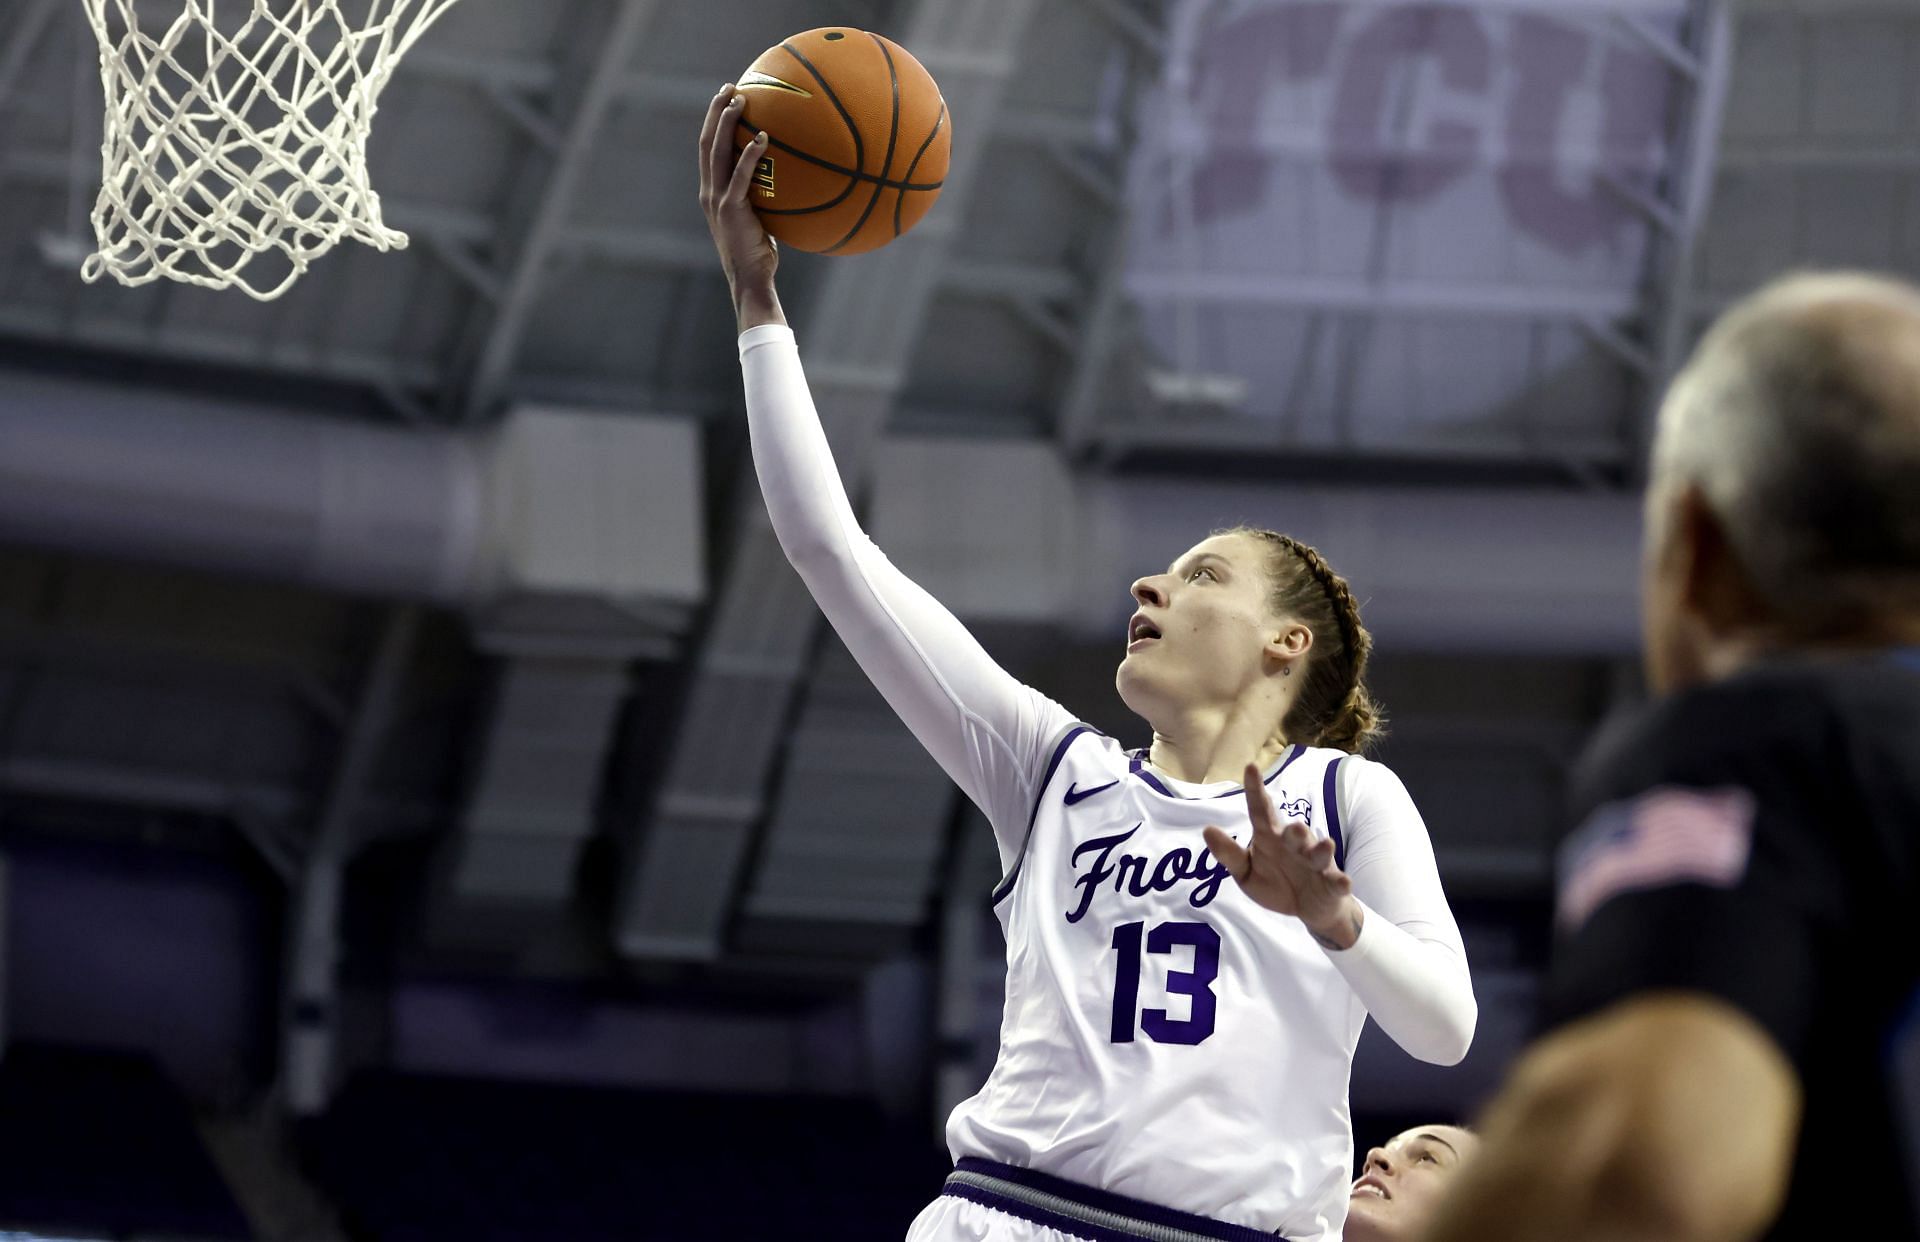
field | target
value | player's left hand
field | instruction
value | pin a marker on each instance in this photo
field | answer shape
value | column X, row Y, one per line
column 1286, row 870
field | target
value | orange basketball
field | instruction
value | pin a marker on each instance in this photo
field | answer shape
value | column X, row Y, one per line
column 857, row 139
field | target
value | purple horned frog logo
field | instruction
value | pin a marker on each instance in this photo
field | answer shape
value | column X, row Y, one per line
column 1300, row 809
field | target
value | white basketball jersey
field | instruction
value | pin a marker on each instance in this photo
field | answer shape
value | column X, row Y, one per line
column 1165, row 1037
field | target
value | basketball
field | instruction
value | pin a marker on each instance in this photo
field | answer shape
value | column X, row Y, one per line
column 857, row 140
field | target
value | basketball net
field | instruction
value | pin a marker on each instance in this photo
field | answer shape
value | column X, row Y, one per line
column 245, row 146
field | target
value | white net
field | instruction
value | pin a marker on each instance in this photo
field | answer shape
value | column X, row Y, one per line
column 235, row 145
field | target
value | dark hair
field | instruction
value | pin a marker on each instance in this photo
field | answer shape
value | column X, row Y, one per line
column 1333, row 707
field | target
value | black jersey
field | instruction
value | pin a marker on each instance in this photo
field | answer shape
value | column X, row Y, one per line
column 1758, row 840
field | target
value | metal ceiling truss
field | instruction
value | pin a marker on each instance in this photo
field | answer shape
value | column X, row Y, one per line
column 310, row 1016
column 258, row 808
column 1102, row 300
column 1702, row 67
column 683, row 870
column 29, row 26
column 483, row 361
column 1824, row 154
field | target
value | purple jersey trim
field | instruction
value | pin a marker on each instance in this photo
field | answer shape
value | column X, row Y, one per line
column 1087, row 1196
column 1909, row 656
column 1137, row 767
column 1053, row 765
column 1297, row 751
column 1137, row 762
column 1330, row 798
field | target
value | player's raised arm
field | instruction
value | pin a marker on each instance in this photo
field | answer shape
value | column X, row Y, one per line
column 986, row 729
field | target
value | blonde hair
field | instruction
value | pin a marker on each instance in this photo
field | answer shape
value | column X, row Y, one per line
column 1333, row 706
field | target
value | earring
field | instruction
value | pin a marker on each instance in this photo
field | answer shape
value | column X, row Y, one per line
column 1287, row 671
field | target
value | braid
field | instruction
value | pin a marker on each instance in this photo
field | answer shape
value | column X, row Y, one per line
column 1334, row 707
column 1346, row 613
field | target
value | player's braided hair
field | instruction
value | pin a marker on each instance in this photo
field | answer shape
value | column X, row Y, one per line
column 1333, row 706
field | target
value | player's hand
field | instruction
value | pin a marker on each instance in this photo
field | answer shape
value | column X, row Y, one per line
column 746, row 252
column 1286, row 870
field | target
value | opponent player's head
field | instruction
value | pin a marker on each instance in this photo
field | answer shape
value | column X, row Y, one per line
column 1784, row 506
column 1397, row 1190
column 1254, row 623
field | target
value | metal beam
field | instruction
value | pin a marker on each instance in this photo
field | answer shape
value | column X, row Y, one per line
column 1688, row 192
column 123, row 654
column 1410, row 297
column 6, row 953
column 1658, row 212
column 1104, row 303
column 1825, row 153
column 1683, row 60
column 1630, row 354
column 452, row 224
column 1576, row 456
column 481, row 280
column 29, row 28
column 1827, row 9
column 484, row 361
column 1098, row 185
column 401, row 385
column 173, row 343
column 529, row 120
column 974, row 278
column 642, row 247
column 983, row 279
column 1045, row 323
column 311, row 1013
column 1139, row 31
column 114, row 784
column 508, row 73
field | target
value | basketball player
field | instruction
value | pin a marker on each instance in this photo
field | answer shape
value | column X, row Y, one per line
column 1166, row 1030
column 1736, row 975
column 1394, row 1196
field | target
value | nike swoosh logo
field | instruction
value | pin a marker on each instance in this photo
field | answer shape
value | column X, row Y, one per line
column 1076, row 794
column 755, row 78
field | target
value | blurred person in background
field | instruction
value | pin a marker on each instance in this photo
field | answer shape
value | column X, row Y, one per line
column 1732, row 1004
column 1398, row 1187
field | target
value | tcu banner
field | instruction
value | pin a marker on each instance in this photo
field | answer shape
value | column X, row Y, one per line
column 1304, row 156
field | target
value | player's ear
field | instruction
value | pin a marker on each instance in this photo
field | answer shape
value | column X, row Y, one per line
column 1289, row 641
column 1713, row 582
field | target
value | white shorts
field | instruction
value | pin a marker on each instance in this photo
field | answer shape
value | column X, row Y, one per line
column 948, row 1219
column 989, row 1202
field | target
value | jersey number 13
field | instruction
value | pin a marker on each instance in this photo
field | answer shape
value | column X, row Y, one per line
column 1197, row 984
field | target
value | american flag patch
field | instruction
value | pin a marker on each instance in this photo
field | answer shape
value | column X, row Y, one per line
column 1664, row 837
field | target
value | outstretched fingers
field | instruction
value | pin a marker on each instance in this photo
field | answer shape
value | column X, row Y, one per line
column 1236, row 860
column 744, row 169
column 1259, row 806
column 719, row 143
column 1304, row 850
column 708, row 128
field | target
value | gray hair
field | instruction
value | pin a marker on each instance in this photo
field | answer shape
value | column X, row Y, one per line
column 1799, row 420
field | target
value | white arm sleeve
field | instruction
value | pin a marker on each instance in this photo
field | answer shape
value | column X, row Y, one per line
column 987, row 730
column 1408, row 967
